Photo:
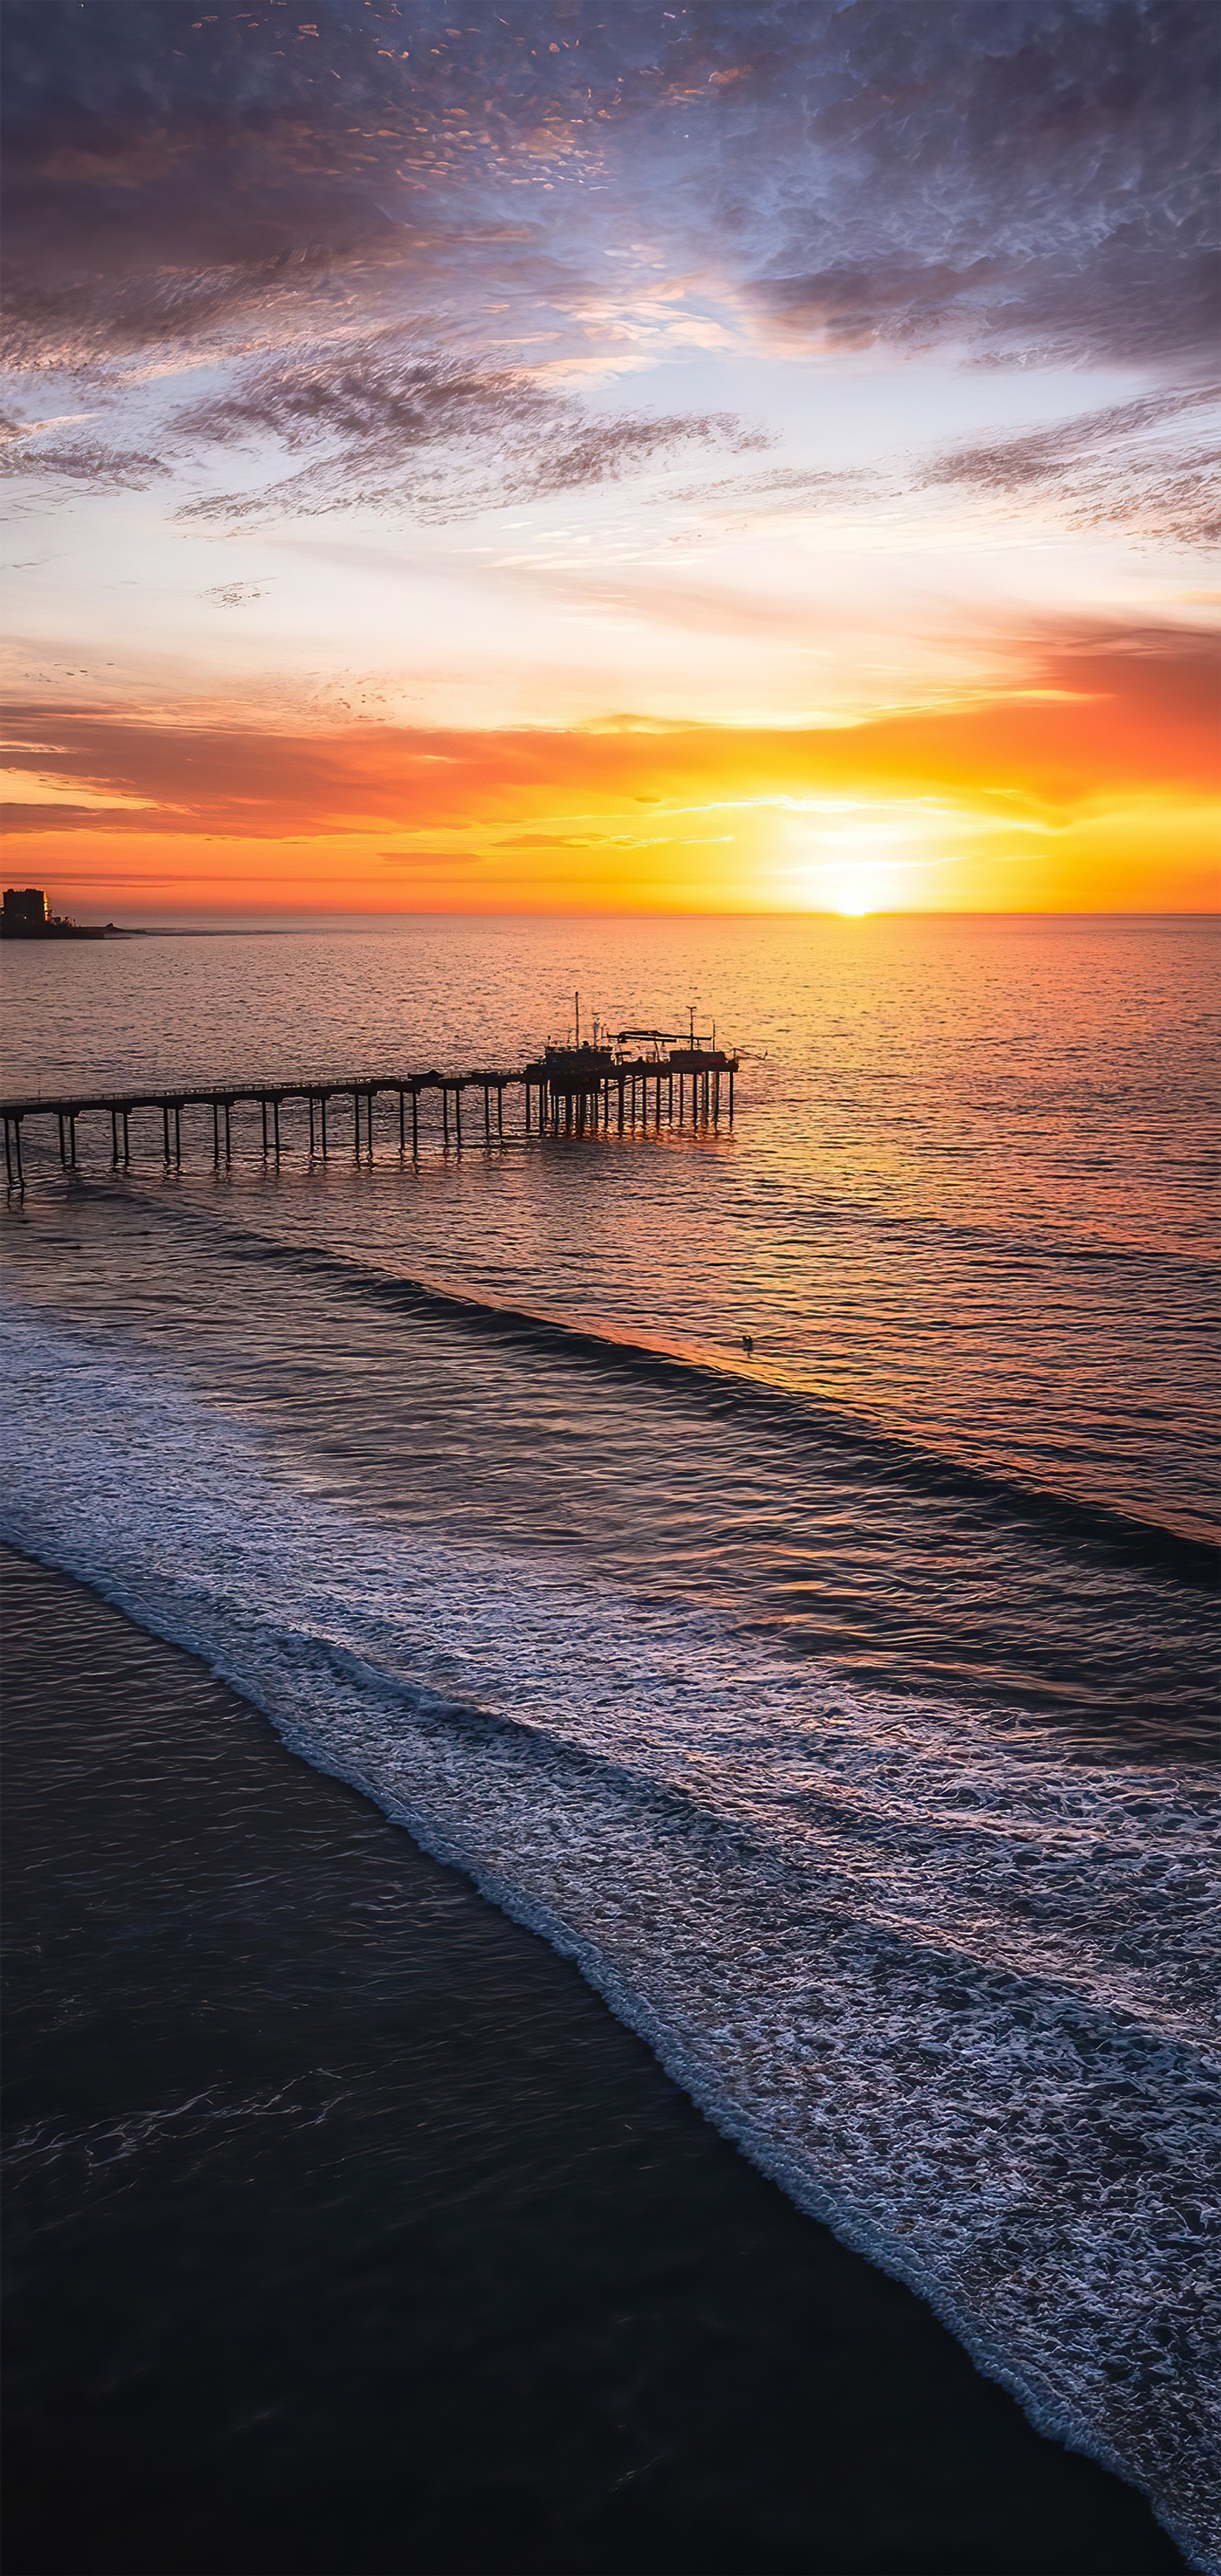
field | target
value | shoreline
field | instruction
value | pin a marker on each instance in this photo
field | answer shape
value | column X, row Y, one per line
column 351, row 2231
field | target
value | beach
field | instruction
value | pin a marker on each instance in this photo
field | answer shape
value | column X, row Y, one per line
column 348, row 2230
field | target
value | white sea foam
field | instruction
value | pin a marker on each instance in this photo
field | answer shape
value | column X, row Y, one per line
column 948, row 1987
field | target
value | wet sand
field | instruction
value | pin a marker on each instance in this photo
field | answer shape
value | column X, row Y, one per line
column 347, row 2231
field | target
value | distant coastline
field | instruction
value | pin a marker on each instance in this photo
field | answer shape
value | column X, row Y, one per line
column 25, row 914
column 57, row 930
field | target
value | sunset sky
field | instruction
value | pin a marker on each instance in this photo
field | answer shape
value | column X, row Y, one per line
column 748, row 456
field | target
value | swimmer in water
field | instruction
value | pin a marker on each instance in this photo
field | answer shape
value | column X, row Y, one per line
column 748, row 1345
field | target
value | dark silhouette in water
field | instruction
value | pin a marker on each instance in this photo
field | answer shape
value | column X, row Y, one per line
column 748, row 1345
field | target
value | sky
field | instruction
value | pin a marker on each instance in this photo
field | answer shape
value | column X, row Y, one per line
column 746, row 457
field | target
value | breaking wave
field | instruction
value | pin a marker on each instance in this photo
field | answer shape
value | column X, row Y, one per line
column 949, row 1988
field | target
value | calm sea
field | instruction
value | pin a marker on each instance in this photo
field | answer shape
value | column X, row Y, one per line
column 845, row 1710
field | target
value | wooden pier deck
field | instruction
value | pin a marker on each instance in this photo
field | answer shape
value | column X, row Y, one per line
column 569, row 1091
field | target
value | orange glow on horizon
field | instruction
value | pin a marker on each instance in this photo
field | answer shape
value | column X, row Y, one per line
column 1102, row 797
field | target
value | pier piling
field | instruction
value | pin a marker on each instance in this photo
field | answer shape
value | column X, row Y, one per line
column 566, row 1090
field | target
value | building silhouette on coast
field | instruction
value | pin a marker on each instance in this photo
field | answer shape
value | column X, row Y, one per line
column 26, row 914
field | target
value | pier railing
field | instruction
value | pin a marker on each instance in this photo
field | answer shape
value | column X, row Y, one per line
column 568, row 1090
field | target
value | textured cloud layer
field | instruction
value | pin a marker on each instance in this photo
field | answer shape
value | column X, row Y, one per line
column 1124, row 466
column 388, row 423
column 1032, row 176
column 1136, row 707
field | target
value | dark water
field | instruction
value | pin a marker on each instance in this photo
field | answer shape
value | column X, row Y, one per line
column 847, row 1716
column 346, row 2230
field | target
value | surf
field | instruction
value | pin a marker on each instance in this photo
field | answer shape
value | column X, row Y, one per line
column 943, row 1984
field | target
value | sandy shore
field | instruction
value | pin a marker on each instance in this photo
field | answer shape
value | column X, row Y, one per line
column 348, row 2232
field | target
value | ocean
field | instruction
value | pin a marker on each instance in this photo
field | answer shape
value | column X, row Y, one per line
column 844, row 1710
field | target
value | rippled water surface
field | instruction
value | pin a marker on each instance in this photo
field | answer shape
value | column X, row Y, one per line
column 847, row 1710
column 966, row 1195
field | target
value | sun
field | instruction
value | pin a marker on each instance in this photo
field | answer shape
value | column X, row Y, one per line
column 856, row 890
column 853, row 854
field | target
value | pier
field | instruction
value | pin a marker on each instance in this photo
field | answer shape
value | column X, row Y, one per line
column 638, row 1081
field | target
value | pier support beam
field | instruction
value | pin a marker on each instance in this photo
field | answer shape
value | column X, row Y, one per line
column 575, row 1100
